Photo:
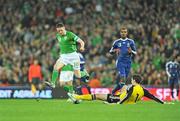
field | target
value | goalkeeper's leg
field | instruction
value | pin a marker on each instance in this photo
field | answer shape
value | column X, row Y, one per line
column 89, row 97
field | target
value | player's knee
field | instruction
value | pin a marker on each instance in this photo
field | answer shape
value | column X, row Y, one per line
column 123, row 78
column 62, row 83
column 56, row 67
column 78, row 82
column 69, row 83
column 77, row 74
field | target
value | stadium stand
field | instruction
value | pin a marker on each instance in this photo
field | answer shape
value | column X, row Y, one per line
column 27, row 31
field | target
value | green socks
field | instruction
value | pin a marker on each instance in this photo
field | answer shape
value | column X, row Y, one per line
column 69, row 89
column 55, row 75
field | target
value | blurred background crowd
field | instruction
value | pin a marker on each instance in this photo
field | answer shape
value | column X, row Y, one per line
column 27, row 32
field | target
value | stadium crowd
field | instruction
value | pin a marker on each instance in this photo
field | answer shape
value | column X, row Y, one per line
column 27, row 32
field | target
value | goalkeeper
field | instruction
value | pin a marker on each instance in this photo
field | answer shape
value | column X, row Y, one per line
column 129, row 95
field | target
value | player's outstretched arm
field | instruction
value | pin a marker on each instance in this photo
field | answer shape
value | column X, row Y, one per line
column 150, row 96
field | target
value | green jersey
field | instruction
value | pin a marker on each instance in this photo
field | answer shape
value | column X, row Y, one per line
column 67, row 67
column 68, row 42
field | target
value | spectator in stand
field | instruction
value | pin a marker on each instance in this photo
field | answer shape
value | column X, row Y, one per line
column 25, row 30
column 95, row 82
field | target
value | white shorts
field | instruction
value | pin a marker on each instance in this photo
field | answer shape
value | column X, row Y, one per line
column 66, row 76
column 71, row 58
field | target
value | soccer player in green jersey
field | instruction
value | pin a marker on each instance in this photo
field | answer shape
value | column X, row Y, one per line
column 68, row 42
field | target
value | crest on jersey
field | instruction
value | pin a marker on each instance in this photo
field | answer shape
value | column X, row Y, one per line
column 119, row 45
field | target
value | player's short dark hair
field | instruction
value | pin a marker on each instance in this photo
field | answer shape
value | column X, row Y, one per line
column 137, row 78
column 58, row 25
column 123, row 28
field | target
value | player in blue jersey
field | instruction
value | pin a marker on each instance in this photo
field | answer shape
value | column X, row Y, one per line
column 124, row 48
column 173, row 72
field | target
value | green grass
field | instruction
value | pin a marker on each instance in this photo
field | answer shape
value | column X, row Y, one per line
column 60, row 110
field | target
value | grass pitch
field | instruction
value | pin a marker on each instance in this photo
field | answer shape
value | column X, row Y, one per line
column 60, row 110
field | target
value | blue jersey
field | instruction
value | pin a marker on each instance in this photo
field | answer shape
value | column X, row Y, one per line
column 82, row 61
column 173, row 69
column 123, row 62
column 123, row 45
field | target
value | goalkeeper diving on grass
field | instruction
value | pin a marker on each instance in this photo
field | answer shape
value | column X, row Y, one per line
column 130, row 94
